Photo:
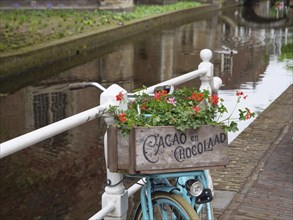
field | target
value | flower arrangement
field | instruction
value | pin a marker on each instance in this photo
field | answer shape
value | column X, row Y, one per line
column 185, row 108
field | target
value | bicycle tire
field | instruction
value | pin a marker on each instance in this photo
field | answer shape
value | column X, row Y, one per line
column 171, row 202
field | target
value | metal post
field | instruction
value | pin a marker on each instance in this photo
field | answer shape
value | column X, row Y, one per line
column 206, row 56
column 208, row 81
column 115, row 192
column 212, row 84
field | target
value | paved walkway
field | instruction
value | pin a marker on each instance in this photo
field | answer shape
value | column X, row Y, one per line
column 257, row 183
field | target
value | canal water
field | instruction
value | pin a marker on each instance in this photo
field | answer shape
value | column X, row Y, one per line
column 64, row 177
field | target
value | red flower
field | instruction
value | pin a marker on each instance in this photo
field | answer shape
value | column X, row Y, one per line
column 164, row 92
column 122, row 117
column 143, row 107
column 197, row 96
column 214, row 99
column 196, row 109
column 159, row 94
column 119, row 97
column 239, row 93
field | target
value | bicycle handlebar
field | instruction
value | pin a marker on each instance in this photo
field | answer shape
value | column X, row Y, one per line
column 75, row 86
column 82, row 85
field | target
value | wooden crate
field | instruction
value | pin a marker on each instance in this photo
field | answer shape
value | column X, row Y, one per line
column 164, row 149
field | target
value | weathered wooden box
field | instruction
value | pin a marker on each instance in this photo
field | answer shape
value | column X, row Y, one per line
column 166, row 149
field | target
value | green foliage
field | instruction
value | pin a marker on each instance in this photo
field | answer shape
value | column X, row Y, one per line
column 46, row 25
column 185, row 108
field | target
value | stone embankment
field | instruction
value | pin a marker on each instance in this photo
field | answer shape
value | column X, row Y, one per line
column 77, row 49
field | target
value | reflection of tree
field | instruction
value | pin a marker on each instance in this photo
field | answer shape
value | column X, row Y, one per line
column 273, row 2
column 278, row 3
column 250, row 15
column 287, row 55
column 287, row 51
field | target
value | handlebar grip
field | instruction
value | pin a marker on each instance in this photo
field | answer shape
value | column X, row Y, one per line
column 75, row 86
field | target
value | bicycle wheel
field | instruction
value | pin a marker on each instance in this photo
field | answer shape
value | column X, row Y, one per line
column 169, row 206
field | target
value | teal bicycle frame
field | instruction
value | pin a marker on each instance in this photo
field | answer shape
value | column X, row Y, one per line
column 160, row 182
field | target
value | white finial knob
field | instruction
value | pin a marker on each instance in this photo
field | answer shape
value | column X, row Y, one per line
column 206, row 55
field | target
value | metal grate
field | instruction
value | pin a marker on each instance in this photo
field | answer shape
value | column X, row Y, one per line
column 48, row 108
column 41, row 106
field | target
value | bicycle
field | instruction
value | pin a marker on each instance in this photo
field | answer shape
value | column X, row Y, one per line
column 175, row 195
column 189, row 198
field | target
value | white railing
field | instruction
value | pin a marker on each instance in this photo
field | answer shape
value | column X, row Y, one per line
column 115, row 198
column 26, row 140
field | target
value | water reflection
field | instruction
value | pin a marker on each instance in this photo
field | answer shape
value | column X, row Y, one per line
column 64, row 177
column 276, row 9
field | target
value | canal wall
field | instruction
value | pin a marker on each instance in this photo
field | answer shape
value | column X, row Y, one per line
column 59, row 55
column 123, row 5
